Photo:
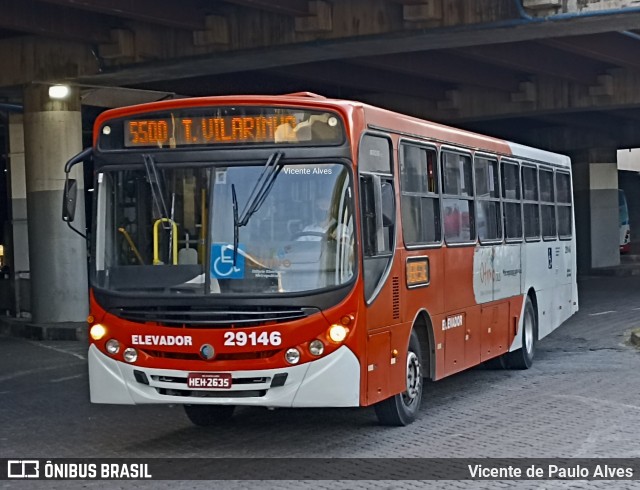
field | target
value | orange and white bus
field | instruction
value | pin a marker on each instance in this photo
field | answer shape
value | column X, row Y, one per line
column 299, row 251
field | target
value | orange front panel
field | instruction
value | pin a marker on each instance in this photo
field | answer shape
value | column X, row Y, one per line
column 259, row 347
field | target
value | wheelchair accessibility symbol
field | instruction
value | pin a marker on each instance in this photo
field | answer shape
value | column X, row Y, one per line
column 222, row 261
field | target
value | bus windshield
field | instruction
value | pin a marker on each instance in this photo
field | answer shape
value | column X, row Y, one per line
column 171, row 229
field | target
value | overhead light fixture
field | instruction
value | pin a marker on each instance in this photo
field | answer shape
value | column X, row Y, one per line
column 59, row 91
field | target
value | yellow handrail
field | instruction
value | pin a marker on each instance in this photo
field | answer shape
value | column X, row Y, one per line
column 127, row 237
column 203, row 225
column 156, row 252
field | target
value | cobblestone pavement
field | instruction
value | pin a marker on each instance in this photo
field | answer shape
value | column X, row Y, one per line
column 580, row 399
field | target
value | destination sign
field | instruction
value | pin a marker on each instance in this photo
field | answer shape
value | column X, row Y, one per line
column 201, row 130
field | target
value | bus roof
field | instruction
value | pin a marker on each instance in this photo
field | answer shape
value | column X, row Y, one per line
column 374, row 117
column 412, row 126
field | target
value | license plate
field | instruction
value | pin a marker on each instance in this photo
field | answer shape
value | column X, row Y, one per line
column 209, row 381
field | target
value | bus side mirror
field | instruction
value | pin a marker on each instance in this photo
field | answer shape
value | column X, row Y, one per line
column 69, row 200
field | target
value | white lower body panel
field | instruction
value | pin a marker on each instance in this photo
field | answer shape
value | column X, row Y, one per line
column 331, row 381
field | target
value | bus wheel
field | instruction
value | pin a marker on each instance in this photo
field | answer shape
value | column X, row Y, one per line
column 206, row 415
column 523, row 357
column 401, row 409
column 497, row 363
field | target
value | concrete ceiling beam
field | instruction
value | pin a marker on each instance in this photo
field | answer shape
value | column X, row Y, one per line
column 29, row 59
column 236, row 59
column 538, row 60
column 614, row 48
column 215, row 33
column 549, row 96
column 185, row 14
column 286, row 7
column 446, row 67
column 318, row 19
column 365, row 79
column 52, row 22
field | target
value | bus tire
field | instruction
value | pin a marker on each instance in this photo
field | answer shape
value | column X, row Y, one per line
column 208, row 415
column 496, row 364
column 523, row 357
column 401, row 409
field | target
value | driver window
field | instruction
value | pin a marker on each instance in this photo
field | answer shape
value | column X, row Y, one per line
column 377, row 208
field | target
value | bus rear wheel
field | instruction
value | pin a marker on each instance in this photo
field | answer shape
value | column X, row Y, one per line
column 208, row 415
column 523, row 357
column 401, row 409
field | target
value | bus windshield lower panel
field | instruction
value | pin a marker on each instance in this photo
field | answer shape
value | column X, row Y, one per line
column 170, row 230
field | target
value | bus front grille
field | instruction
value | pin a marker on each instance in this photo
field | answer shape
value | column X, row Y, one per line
column 199, row 317
column 212, row 394
column 232, row 356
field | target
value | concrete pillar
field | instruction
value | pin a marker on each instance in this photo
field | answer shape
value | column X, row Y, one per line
column 53, row 133
column 595, row 181
column 19, row 247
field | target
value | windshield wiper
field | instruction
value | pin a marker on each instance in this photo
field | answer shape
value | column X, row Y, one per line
column 156, row 189
column 236, row 224
column 261, row 188
column 258, row 194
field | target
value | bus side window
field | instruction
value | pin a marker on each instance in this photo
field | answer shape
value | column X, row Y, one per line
column 378, row 211
column 368, row 216
column 511, row 201
column 488, row 214
column 420, row 200
column 530, row 203
column 547, row 201
column 563, row 204
column 458, row 204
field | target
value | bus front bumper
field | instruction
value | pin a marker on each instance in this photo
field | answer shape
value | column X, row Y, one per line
column 331, row 381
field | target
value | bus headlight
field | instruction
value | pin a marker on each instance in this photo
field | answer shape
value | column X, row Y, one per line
column 97, row 331
column 316, row 347
column 337, row 333
column 113, row 346
column 292, row 356
column 130, row 354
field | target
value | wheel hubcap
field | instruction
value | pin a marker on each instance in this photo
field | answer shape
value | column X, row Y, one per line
column 414, row 378
column 528, row 332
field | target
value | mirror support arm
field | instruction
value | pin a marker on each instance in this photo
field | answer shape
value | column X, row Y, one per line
column 83, row 235
column 80, row 157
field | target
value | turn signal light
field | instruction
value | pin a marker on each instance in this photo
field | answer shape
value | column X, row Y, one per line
column 346, row 320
